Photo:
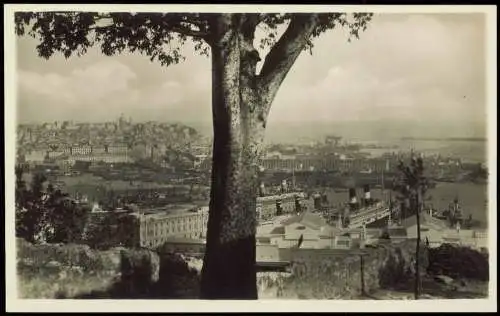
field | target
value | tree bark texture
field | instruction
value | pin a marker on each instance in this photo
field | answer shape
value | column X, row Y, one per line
column 241, row 101
column 417, row 252
column 229, row 264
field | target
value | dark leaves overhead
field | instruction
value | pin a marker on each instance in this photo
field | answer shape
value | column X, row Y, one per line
column 157, row 35
column 269, row 24
column 355, row 23
column 66, row 32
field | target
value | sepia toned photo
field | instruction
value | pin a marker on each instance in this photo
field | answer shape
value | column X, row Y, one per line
column 174, row 153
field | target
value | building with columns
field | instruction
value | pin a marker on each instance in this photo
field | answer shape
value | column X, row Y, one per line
column 155, row 228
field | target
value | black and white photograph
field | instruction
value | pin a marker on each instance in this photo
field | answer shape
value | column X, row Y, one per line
column 191, row 154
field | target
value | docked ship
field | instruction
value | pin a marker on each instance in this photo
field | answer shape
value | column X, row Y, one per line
column 358, row 212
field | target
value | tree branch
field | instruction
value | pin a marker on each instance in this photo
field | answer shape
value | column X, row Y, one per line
column 284, row 53
column 178, row 25
column 249, row 23
column 184, row 30
column 177, row 28
column 264, row 16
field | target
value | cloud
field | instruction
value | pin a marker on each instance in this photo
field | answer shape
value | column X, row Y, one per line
column 101, row 91
column 345, row 93
column 418, row 67
column 100, row 80
column 164, row 94
column 103, row 84
column 421, row 67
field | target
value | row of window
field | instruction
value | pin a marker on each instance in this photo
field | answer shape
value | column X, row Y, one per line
column 180, row 220
column 175, row 226
column 175, row 229
column 155, row 242
column 99, row 158
column 282, row 163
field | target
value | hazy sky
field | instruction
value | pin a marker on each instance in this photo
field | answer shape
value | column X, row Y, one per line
column 416, row 67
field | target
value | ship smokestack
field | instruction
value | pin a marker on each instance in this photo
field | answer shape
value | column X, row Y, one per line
column 262, row 189
column 367, row 197
column 317, row 201
column 298, row 205
column 352, row 196
column 279, row 208
column 366, row 190
column 284, row 186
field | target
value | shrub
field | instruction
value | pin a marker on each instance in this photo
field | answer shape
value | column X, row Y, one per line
column 458, row 262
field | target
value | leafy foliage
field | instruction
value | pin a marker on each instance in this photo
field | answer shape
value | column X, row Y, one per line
column 28, row 206
column 458, row 262
column 326, row 21
column 46, row 214
column 410, row 181
column 67, row 218
column 109, row 230
column 159, row 36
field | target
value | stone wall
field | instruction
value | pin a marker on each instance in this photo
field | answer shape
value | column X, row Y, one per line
column 77, row 271
column 344, row 276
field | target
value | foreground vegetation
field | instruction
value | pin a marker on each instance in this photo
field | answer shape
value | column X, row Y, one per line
column 77, row 271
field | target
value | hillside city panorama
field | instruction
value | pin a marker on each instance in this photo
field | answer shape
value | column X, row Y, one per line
column 370, row 183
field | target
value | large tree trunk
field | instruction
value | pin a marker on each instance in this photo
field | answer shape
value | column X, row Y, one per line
column 417, row 251
column 229, row 264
